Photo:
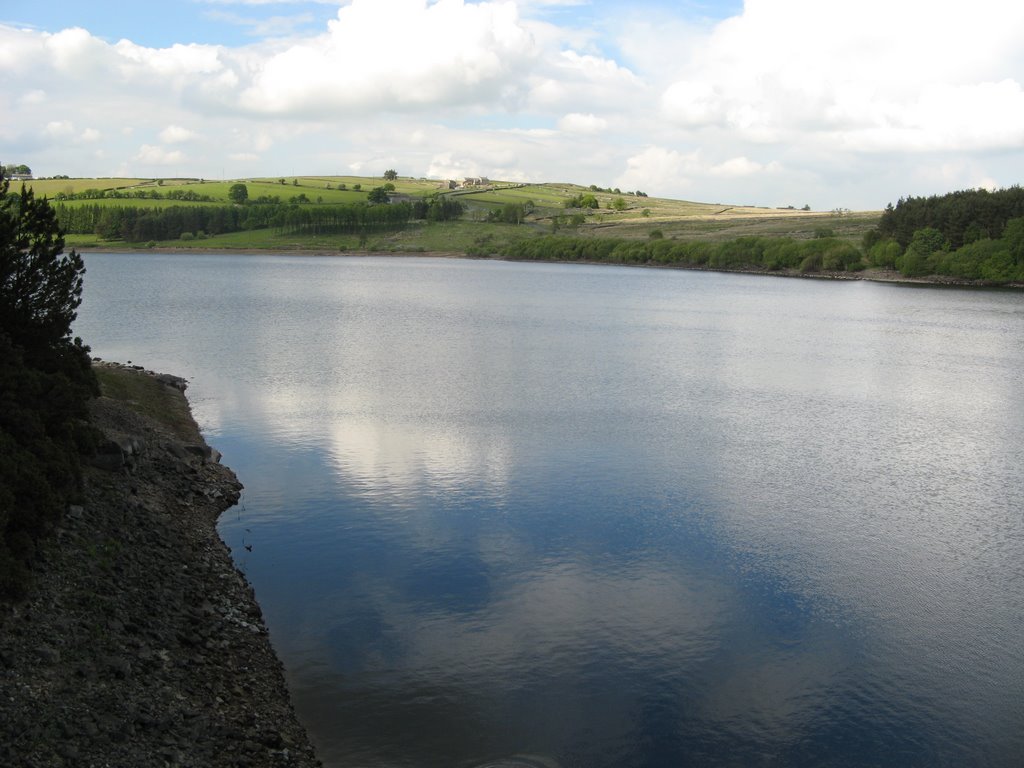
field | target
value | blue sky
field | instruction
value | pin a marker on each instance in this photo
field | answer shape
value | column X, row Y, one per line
column 161, row 24
column 769, row 102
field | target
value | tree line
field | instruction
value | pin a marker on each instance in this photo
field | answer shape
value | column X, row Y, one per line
column 962, row 217
column 94, row 193
column 971, row 234
column 998, row 260
column 139, row 225
column 769, row 253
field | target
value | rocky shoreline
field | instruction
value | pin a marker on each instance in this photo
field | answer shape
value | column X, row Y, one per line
column 141, row 644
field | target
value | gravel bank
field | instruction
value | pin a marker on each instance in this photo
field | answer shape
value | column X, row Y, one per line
column 141, row 644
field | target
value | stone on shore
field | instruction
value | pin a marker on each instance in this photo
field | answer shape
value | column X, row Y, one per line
column 141, row 644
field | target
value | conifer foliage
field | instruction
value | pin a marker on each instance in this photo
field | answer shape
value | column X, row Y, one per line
column 46, row 381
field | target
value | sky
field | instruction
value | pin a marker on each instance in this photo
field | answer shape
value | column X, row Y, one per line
column 829, row 103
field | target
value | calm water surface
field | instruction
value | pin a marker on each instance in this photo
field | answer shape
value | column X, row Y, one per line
column 610, row 516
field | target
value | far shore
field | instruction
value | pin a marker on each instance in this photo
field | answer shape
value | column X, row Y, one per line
column 869, row 275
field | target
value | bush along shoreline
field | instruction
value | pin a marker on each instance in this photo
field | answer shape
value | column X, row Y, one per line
column 824, row 257
column 139, row 642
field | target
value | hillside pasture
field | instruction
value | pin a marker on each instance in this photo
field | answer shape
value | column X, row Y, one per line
column 50, row 187
column 636, row 218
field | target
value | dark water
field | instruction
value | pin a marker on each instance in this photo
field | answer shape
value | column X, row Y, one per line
column 610, row 517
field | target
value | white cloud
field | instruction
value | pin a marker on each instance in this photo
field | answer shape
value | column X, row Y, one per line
column 151, row 155
column 175, row 134
column 693, row 103
column 577, row 123
column 33, row 98
column 873, row 76
column 791, row 101
column 660, row 168
column 739, row 167
column 400, row 55
column 176, row 61
column 694, row 171
column 58, row 129
column 74, row 51
column 584, row 83
column 446, row 166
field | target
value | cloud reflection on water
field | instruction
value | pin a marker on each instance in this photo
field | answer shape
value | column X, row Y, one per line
column 617, row 515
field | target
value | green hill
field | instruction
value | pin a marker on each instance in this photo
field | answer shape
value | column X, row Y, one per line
column 495, row 213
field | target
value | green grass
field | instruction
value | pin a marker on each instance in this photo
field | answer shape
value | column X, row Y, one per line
column 50, row 187
column 147, row 396
column 317, row 189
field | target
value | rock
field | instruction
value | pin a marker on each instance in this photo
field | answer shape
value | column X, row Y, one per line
column 120, row 667
column 48, row 655
column 109, row 457
column 139, row 626
column 172, row 381
column 176, row 449
column 68, row 751
column 202, row 451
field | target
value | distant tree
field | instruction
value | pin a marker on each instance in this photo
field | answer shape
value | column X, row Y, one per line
column 619, row 204
column 295, row 182
column 280, row 181
column 511, row 213
column 21, row 170
column 586, row 200
column 1013, row 235
column 357, row 187
column 388, row 187
column 917, row 259
column 927, row 241
column 377, row 195
column 390, row 175
column 238, row 193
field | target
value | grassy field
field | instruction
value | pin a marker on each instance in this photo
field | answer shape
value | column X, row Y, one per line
column 50, row 187
column 637, row 219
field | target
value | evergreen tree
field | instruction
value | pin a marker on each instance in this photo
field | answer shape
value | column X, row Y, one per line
column 46, row 380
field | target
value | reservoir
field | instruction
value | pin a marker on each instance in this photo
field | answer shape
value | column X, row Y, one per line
column 600, row 516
